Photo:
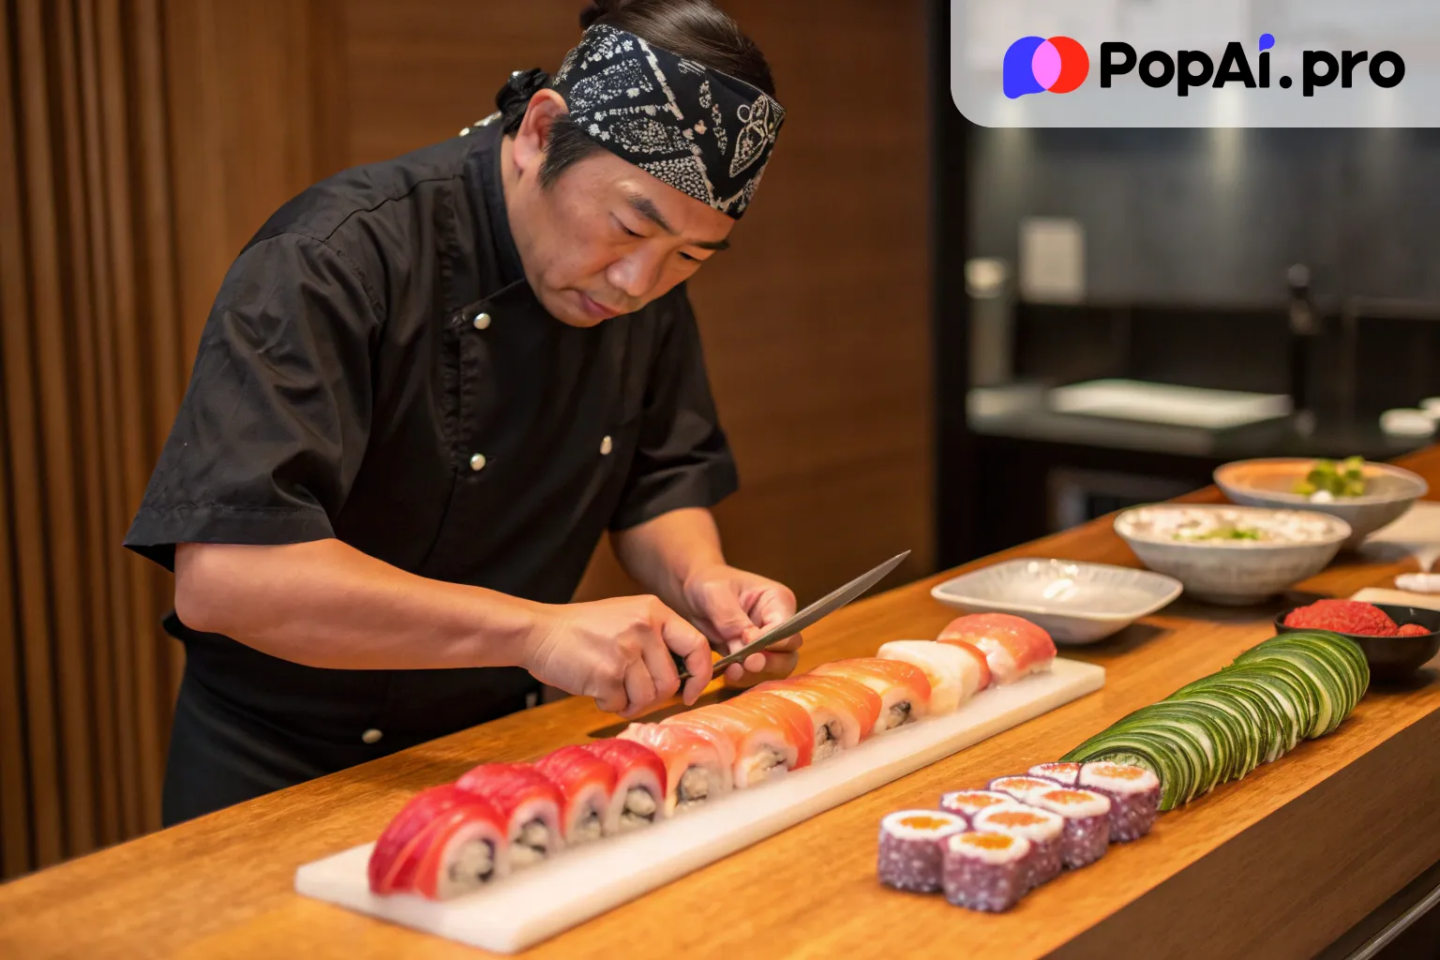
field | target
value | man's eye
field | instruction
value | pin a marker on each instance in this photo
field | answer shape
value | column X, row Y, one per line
column 686, row 256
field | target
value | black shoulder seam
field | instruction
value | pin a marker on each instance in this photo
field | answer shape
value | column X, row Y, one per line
column 346, row 262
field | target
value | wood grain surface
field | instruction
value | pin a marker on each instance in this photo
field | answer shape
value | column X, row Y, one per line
column 1275, row 866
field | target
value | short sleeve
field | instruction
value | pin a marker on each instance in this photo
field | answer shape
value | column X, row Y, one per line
column 683, row 459
column 274, row 423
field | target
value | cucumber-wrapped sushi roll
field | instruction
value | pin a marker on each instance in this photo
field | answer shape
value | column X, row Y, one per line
column 587, row 785
column 911, row 854
column 758, row 735
column 443, row 843
column 529, row 805
column 1134, row 794
column 1065, row 774
column 696, row 771
column 903, row 688
column 1025, row 788
column 967, row 803
column 953, row 674
column 638, row 799
column 1013, row 646
column 1087, row 824
column 1042, row 828
column 986, row 871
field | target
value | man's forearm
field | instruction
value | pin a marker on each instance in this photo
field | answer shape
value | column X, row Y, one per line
column 326, row 604
column 661, row 553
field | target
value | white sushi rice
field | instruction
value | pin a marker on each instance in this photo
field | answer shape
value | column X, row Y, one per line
column 992, row 848
column 971, row 802
column 1118, row 778
column 473, row 857
column 1024, row 789
column 1037, row 826
column 943, row 664
column 1074, row 804
column 923, row 825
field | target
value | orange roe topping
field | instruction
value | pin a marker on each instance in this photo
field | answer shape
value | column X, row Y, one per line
column 1022, row 783
column 1015, row 818
column 1067, row 796
column 1119, row 772
column 988, row 841
column 980, row 799
column 924, row 823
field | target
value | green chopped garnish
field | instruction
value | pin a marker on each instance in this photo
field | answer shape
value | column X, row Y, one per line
column 1345, row 479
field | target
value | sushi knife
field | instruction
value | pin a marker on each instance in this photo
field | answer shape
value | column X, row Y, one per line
column 825, row 606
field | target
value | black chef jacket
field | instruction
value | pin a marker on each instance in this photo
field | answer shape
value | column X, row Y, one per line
column 376, row 369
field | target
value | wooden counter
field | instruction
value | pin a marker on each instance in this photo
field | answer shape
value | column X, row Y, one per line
column 1278, row 865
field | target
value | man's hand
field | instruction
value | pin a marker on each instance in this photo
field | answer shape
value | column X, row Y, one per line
column 618, row 651
column 732, row 608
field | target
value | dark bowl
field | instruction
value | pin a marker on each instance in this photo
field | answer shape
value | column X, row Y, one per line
column 1391, row 658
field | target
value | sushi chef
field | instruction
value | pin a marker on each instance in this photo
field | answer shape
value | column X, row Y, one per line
column 429, row 386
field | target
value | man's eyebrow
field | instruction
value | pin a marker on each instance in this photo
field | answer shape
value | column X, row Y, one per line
column 647, row 209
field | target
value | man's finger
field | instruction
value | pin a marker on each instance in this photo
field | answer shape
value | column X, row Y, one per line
column 774, row 606
column 721, row 607
column 656, row 654
column 613, row 701
column 639, row 687
column 690, row 644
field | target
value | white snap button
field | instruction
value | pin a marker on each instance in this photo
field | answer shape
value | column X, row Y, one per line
column 606, row 446
column 465, row 132
column 482, row 321
column 371, row 736
column 477, row 462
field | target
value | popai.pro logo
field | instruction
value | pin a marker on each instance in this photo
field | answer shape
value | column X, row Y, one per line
column 1037, row 65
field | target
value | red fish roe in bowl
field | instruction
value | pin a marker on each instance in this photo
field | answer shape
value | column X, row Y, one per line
column 1413, row 630
column 1343, row 616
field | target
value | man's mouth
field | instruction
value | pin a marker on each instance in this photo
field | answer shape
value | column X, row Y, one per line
column 596, row 309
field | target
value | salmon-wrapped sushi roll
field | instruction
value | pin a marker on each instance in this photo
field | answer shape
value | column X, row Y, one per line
column 529, row 804
column 1024, row 789
column 1013, row 646
column 953, row 674
column 586, row 784
column 443, row 843
column 967, row 803
column 986, row 871
column 847, row 694
column 1065, row 774
column 695, row 769
column 1044, row 830
column 1134, row 794
column 903, row 687
column 638, row 799
column 837, row 726
column 760, row 735
column 911, row 848
column 1087, row 824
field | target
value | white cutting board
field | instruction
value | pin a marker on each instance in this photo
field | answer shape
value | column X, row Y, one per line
column 582, row 883
column 1169, row 404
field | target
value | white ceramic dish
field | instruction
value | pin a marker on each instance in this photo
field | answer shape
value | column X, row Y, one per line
column 1076, row 602
column 1390, row 492
column 1232, row 572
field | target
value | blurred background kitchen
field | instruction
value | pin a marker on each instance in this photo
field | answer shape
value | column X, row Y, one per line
column 915, row 342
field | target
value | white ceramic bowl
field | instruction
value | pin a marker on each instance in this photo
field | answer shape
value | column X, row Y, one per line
column 1390, row 491
column 1232, row 572
column 1076, row 602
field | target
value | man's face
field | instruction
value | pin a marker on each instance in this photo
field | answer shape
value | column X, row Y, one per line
column 605, row 238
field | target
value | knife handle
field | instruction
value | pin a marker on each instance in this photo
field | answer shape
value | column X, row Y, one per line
column 680, row 666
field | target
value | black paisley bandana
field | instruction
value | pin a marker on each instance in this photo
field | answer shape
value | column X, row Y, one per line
column 704, row 133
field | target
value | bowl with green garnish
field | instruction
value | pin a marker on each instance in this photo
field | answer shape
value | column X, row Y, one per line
column 1364, row 494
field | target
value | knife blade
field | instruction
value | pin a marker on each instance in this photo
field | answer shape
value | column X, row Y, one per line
column 823, row 607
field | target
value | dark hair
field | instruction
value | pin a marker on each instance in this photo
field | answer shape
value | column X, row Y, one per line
column 694, row 29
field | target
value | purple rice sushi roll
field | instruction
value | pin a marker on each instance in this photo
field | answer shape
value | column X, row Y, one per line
column 986, row 871
column 1134, row 794
column 1024, row 787
column 1044, row 830
column 1087, row 824
column 967, row 803
column 1065, row 774
column 910, row 848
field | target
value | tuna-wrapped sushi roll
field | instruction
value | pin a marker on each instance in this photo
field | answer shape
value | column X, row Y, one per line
column 1134, row 794
column 1065, row 774
column 903, row 688
column 911, row 848
column 1087, row 824
column 443, row 843
column 529, row 805
column 587, row 784
column 638, row 799
column 1042, row 828
column 986, row 871
column 695, row 770
column 967, row 803
column 1024, row 788
column 953, row 674
column 1013, row 646
column 759, row 734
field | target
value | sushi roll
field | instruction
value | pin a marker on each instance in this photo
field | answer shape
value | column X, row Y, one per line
column 638, row 799
column 1023, row 789
column 529, row 805
column 695, row 770
column 953, row 675
column 851, row 695
column 967, row 803
column 837, row 726
column 985, row 871
column 903, row 688
column 587, row 784
column 759, row 735
column 1087, row 824
column 1042, row 828
column 443, row 843
column 1065, row 774
column 911, row 852
column 1134, row 794
column 981, row 678
column 1013, row 646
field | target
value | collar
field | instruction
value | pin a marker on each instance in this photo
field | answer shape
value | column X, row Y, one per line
column 488, row 191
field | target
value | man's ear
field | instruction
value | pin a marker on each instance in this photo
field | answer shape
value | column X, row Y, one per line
column 533, row 136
